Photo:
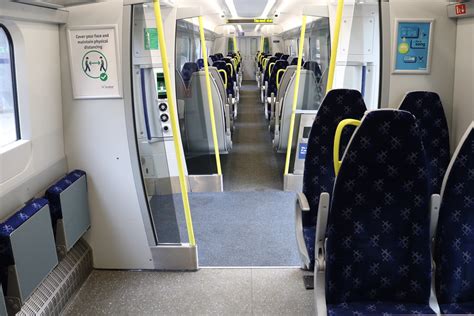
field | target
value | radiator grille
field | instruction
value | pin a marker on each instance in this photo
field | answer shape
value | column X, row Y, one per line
column 51, row 297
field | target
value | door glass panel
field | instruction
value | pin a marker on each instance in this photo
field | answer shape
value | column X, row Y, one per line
column 153, row 130
column 192, row 99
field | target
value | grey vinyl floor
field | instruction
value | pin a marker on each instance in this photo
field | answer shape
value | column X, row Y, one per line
column 205, row 292
column 252, row 165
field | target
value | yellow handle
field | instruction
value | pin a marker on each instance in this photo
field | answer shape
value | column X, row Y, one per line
column 335, row 45
column 337, row 141
column 270, row 68
column 264, row 64
column 231, row 69
column 225, row 76
column 295, row 96
column 280, row 71
column 174, row 123
column 209, row 96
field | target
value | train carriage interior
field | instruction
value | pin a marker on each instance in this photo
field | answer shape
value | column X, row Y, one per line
column 236, row 157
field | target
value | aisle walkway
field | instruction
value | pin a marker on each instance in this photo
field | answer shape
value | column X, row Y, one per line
column 252, row 165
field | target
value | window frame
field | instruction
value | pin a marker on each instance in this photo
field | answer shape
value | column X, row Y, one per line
column 14, row 83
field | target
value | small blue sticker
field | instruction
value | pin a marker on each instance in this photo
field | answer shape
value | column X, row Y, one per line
column 302, row 151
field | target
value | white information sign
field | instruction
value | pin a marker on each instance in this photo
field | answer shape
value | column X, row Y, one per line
column 93, row 56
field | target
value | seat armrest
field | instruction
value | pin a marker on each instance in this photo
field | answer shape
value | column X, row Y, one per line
column 321, row 225
column 302, row 202
column 320, row 255
column 434, row 214
column 227, row 118
column 301, row 206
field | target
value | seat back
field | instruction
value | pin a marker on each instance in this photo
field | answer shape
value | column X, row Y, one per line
column 314, row 67
column 285, row 81
column 272, row 83
column 454, row 252
column 219, row 82
column 294, row 61
column 27, row 249
column 428, row 110
column 378, row 235
column 221, row 65
column 284, row 57
column 197, row 119
column 319, row 176
column 69, row 209
column 188, row 70
column 307, row 100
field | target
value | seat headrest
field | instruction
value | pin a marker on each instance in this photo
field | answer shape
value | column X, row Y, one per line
column 188, row 69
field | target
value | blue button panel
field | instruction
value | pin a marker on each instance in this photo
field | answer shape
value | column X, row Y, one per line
column 413, row 44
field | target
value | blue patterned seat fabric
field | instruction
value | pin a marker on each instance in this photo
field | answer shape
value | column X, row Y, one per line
column 53, row 194
column 454, row 253
column 285, row 57
column 278, row 55
column 200, row 63
column 272, row 83
column 319, row 168
column 428, row 110
column 188, row 70
column 314, row 67
column 378, row 235
column 7, row 228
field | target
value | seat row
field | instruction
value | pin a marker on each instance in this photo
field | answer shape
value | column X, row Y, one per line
column 378, row 245
column 40, row 232
column 277, row 81
column 193, row 107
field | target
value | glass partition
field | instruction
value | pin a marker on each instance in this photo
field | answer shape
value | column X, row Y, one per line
column 193, row 104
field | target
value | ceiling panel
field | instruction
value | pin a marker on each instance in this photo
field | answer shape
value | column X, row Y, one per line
column 250, row 8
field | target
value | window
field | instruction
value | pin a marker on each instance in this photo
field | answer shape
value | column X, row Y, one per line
column 9, row 124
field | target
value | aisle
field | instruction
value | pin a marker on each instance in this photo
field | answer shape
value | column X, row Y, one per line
column 252, row 165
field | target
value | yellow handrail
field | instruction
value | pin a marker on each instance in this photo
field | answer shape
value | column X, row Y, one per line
column 337, row 141
column 225, row 76
column 231, row 69
column 295, row 96
column 335, row 45
column 262, row 40
column 236, row 49
column 278, row 77
column 209, row 97
column 174, row 123
column 265, row 61
column 270, row 68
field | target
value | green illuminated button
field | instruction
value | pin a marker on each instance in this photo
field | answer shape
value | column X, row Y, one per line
column 404, row 48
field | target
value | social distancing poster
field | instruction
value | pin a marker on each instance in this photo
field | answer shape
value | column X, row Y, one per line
column 93, row 55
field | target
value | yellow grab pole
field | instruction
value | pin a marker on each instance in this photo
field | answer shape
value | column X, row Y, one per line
column 295, row 96
column 262, row 40
column 236, row 49
column 335, row 45
column 174, row 123
column 209, row 97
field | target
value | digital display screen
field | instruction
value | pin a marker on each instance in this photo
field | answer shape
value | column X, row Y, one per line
column 160, row 85
column 306, row 132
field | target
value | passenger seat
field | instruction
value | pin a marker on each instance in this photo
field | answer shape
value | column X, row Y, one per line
column 429, row 113
column 319, row 174
column 376, row 256
column 454, row 251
